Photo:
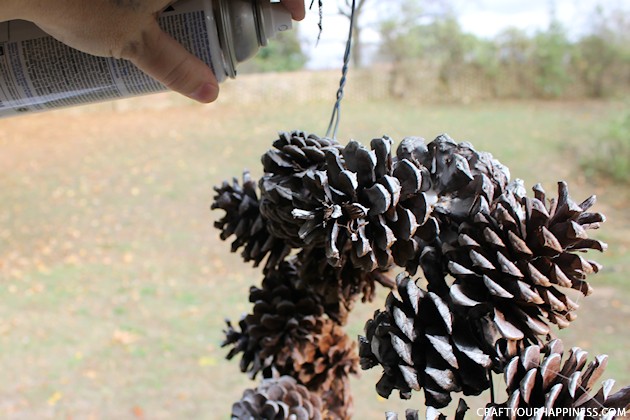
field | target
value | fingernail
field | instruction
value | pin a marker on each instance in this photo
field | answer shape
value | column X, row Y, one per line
column 206, row 93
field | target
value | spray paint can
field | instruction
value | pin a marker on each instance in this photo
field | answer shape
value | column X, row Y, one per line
column 39, row 73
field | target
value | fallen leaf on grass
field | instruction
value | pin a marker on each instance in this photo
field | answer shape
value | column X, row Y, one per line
column 138, row 412
column 124, row 338
column 54, row 398
column 207, row 361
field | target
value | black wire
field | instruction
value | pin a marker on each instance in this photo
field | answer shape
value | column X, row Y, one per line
column 320, row 4
column 333, row 125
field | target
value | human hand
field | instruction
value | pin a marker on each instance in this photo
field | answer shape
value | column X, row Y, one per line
column 296, row 7
column 128, row 29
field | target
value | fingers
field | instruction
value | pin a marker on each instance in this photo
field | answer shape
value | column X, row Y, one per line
column 167, row 61
column 296, row 7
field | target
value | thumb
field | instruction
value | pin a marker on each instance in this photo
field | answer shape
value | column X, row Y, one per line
column 166, row 60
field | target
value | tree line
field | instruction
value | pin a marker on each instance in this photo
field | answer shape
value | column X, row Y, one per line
column 423, row 40
column 515, row 63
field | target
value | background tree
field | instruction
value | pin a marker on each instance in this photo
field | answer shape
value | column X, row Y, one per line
column 604, row 52
column 345, row 8
column 485, row 63
column 452, row 48
column 552, row 52
column 514, row 51
column 410, row 36
column 283, row 53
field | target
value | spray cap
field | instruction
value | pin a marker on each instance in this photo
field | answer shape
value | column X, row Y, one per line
column 246, row 25
column 275, row 18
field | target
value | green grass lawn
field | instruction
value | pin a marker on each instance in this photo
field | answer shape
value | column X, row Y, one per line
column 114, row 284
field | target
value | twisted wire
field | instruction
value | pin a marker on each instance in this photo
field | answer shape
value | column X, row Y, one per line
column 333, row 125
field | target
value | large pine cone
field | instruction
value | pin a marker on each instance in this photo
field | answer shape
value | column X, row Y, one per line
column 284, row 306
column 536, row 381
column 421, row 344
column 360, row 198
column 513, row 261
column 279, row 399
column 243, row 220
column 431, row 414
column 294, row 155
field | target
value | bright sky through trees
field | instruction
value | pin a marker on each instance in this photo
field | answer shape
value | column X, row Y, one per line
column 484, row 18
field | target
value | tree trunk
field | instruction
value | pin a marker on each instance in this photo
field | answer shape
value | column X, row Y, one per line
column 357, row 47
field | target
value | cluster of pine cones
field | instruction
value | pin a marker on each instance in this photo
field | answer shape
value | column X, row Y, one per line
column 328, row 222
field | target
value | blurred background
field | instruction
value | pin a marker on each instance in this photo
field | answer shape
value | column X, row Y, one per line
column 114, row 283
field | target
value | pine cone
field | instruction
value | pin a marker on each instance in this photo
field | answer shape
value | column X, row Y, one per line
column 294, row 155
column 536, row 381
column 243, row 220
column 278, row 399
column 287, row 332
column 432, row 413
column 321, row 356
column 296, row 152
column 360, row 198
column 464, row 180
column 316, row 352
column 421, row 344
column 323, row 361
column 338, row 287
column 284, row 306
column 513, row 262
